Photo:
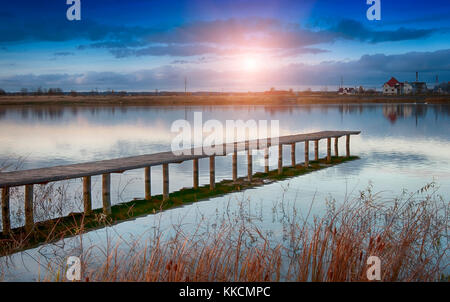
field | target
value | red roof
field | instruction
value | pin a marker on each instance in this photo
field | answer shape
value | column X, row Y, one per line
column 392, row 82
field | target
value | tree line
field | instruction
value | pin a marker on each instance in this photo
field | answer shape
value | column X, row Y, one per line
column 59, row 91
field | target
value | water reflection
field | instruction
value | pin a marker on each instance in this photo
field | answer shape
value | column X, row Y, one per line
column 390, row 111
column 402, row 146
column 402, row 139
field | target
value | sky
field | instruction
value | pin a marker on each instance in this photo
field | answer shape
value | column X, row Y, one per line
column 220, row 45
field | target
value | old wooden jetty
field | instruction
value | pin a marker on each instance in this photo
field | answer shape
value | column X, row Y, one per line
column 28, row 178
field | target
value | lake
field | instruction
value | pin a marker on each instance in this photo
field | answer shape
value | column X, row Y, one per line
column 401, row 147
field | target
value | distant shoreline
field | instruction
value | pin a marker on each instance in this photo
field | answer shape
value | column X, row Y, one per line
column 216, row 100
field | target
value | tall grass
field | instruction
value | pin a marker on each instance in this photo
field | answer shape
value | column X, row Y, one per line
column 409, row 234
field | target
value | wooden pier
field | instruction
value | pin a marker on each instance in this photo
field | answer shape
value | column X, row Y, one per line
column 84, row 171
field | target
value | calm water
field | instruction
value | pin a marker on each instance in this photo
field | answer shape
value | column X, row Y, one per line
column 401, row 147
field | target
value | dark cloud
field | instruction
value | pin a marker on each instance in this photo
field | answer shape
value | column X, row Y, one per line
column 61, row 30
column 432, row 18
column 351, row 29
column 220, row 37
column 225, row 36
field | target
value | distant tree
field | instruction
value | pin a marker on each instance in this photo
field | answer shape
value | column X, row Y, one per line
column 73, row 93
column 39, row 91
column 361, row 90
column 93, row 92
column 54, row 91
column 2, row 92
column 24, row 91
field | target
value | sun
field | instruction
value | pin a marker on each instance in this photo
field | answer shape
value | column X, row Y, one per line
column 251, row 64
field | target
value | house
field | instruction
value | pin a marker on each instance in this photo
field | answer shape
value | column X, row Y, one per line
column 406, row 88
column 346, row 91
column 392, row 87
column 419, row 87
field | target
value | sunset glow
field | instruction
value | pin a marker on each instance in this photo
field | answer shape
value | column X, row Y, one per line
column 251, row 64
column 142, row 45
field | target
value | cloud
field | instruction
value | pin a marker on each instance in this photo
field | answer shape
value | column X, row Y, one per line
column 432, row 18
column 64, row 54
column 195, row 61
column 220, row 37
column 372, row 70
column 60, row 30
column 170, row 50
column 353, row 30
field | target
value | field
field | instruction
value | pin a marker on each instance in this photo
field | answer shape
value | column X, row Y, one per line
column 190, row 100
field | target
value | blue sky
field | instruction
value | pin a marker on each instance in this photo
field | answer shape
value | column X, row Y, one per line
column 248, row 45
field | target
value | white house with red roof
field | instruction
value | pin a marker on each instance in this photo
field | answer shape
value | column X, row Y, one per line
column 394, row 87
column 391, row 87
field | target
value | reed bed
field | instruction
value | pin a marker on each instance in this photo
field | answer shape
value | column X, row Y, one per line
column 409, row 234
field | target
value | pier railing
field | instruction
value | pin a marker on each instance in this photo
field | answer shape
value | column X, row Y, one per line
column 31, row 177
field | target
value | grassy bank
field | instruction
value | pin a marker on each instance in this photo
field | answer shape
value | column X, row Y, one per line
column 78, row 223
column 216, row 100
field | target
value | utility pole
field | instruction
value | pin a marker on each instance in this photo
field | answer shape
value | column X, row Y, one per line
column 185, row 93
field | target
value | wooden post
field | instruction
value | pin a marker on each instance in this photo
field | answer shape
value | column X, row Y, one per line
column 293, row 154
column 195, row 172
column 165, row 168
column 106, row 193
column 6, row 220
column 347, row 145
column 329, row 150
column 212, row 172
column 266, row 160
column 336, row 146
column 235, row 166
column 280, row 159
column 87, row 198
column 29, row 217
column 249, row 165
column 148, row 183
column 316, row 150
column 307, row 154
